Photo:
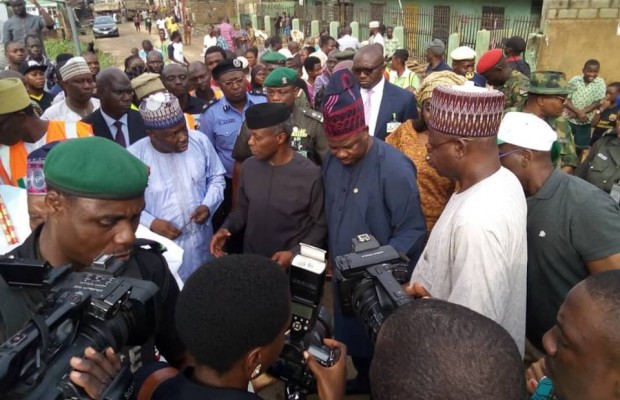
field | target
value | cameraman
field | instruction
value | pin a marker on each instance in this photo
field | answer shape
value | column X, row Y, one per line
column 233, row 315
column 94, row 200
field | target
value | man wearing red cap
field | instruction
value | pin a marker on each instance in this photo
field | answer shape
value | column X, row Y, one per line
column 497, row 72
column 370, row 187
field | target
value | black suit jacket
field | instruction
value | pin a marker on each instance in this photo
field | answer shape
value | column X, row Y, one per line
column 394, row 100
column 135, row 123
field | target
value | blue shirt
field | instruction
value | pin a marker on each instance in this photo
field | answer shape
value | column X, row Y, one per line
column 221, row 123
column 377, row 195
column 443, row 66
column 479, row 80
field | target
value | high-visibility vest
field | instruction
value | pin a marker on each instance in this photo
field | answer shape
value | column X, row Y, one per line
column 14, row 159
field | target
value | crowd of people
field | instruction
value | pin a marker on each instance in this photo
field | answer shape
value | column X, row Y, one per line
column 499, row 184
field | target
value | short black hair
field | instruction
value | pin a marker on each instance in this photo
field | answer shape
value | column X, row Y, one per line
column 10, row 43
column 230, row 306
column 603, row 289
column 174, row 35
column 434, row 350
column 230, row 55
column 31, row 36
column 517, row 44
column 592, row 63
column 310, row 62
column 615, row 85
column 253, row 50
column 216, row 49
column 309, row 49
column 275, row 39
column 146, row 41
column 401, row 54
column 129, row 59
column 323, row 40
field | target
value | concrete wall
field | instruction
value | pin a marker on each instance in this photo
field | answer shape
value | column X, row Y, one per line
column 210, row 11
column 578, row 30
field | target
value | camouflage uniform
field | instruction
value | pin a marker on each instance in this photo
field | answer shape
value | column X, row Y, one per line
column 554, row 83
column 515, row 89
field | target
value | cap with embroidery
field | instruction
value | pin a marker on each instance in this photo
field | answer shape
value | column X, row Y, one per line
column 161, row 111
column 466, row 111
column 374, row 24
column 97, row 168
column 75, row 66
column 226, row 66
column 281, row 77
column 13, row 96
column 526, row 130
column 463, row 53
column 31, row 65
column 488, row 60
column 266, row 115
column 35, row 178
column 343, row 109
column 146, row 84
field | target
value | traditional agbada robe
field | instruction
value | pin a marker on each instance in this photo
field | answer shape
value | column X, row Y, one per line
column 178, row 184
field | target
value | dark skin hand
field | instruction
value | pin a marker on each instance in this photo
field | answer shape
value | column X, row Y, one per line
column 416, row 290
column 283, row 258
column 331, row 382
column 201, row 214
column 534, row 374
column 95, row 371
column 165, row 228
column 218, row 241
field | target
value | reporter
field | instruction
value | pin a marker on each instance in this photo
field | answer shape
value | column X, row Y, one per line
column 434, row 350
column 93, row 205
column 233, row 315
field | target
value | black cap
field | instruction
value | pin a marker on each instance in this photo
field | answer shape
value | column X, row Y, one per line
column 28, row 66
column 226, row 66
column 266, row 115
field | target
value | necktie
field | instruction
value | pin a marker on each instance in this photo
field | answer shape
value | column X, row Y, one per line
column 119, row 138
column 367, row 107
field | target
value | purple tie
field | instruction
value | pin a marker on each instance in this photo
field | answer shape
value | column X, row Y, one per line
column 119, row 138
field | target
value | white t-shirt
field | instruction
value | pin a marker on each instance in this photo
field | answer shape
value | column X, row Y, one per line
column 377, row 39
column 177, row 52
column 476, row 255
column 61, row 111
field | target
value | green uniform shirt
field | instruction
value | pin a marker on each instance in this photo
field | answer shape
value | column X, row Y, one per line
column 602, row 166
column 568, row 152
column 307, row 138
column 515, row 89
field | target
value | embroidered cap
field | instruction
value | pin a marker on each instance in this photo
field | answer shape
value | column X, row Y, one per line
column 74, row 67
column 466, row 111
column 343, row 109
column 161, row 111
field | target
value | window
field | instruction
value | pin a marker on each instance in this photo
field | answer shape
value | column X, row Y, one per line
column 376, row 12
column 492, row 18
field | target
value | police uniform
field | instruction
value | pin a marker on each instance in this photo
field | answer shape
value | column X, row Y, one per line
column 553, row 83
column 307, row 137
column 602, row 165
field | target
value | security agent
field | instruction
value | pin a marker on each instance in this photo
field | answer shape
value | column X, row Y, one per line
column 95, row 197
column 308, row 138
column 463, row 63
column 233, row 315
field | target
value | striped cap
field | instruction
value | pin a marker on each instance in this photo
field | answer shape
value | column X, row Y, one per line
column 73, row 67
column 466, row 111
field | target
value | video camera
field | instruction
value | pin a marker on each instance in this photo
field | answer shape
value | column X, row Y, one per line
column 90, row 308
column 369, row 281
column 311, row 323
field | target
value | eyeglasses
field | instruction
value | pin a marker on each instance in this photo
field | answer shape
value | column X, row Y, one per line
column 502, row 155
column 366, row 71
column 561, row 98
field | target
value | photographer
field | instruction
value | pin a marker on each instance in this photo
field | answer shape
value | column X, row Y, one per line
column 233, row 315
column 94, row 200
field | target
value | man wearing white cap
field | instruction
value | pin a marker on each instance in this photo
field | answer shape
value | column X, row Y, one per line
column 79, row 87
column 375, row 33
column 571, row 225
column 463, row 63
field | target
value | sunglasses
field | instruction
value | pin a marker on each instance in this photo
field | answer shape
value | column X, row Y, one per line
column 365, row 71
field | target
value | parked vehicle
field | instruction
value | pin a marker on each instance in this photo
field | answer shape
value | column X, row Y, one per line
column 104, row 26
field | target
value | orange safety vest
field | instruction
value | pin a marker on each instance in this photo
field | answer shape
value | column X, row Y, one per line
column 14, row 159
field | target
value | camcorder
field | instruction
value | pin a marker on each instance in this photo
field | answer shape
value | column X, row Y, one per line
column 369, row 281
column 310, row 324
column 93, row 308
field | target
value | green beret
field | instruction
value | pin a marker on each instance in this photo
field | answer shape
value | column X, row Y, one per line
column 95, row 168
column 281, row 77
column 273, row 57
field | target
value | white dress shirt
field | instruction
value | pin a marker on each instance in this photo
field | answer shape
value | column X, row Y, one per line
column 61, row 111
column 377, row 38
column 348, row 41
column 375, row 104
column 110, row 122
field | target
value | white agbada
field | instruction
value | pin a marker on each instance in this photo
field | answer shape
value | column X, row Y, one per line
column 178, row 184
column 61, row 111
column 476, row 255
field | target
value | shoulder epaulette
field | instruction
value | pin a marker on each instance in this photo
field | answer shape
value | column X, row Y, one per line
column 209, row 104
column 313, row 114
column 258, row 92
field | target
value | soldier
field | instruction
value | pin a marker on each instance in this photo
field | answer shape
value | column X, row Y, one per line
column 546, row 95
column 493, row 66
column 307, row 137
column 273, row 60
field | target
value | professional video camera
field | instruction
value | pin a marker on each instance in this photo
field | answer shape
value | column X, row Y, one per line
column 90, row 308
column 311, row 323
column 369, row 281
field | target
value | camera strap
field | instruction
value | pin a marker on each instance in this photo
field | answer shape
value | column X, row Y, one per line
column 150, row 385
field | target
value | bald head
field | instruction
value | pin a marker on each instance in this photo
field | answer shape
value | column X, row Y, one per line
column 172, row 69
column 115, row 92
column 107, row 76
column 374, row 51
column 154, row 62
column 368, row 65
column 293, row 47
column 199, row 76
column 175, row 80
column 196, row 66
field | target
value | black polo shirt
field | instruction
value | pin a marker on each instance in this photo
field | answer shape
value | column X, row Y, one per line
column 182, row 387
column 569, row 222
column 194, row 106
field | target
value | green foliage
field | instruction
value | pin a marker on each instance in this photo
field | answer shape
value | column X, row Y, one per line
column 53, row 47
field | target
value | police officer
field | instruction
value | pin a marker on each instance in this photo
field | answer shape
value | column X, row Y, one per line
column 307, row 138
column 602, row 165
column 546, row 94
column 463, row 62
column 222, row 121
column 94, row 201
